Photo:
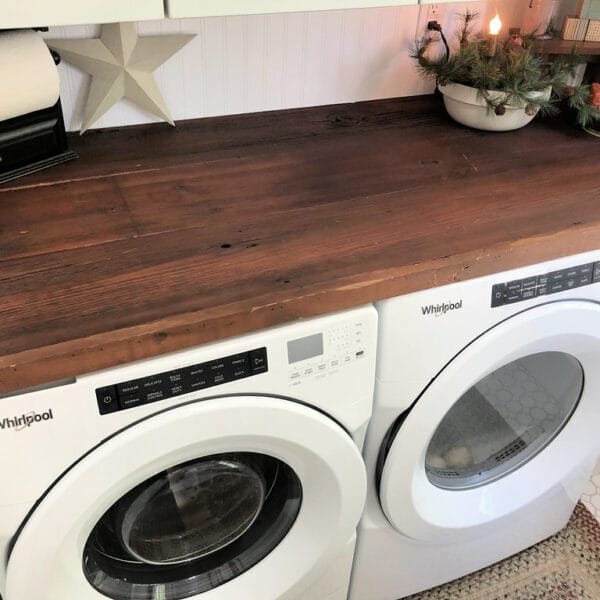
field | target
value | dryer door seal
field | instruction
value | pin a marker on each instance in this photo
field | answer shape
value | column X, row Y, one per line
column 152, row 468
column 431, row 490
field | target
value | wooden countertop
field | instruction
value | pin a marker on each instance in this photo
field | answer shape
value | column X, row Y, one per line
column 158, row 239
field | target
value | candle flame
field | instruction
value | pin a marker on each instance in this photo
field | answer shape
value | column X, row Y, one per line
column 495, row 25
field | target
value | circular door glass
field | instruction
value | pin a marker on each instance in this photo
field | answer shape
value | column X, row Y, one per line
column 192, row 527
column 504, row 420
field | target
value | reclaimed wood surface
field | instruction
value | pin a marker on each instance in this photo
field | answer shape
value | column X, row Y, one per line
column 558, row 46
column 158, row 239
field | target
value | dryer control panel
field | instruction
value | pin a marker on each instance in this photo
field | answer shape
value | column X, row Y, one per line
column 169, row 384
column 544, row 284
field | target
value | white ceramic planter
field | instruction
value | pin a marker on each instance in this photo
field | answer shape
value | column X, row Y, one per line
column 465, row 106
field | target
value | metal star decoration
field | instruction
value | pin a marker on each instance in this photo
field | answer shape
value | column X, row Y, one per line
column 121, row 65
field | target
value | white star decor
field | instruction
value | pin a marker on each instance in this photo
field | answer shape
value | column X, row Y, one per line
column 121, row 65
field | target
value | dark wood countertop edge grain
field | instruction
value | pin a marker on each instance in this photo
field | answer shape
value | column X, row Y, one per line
column 80, row 356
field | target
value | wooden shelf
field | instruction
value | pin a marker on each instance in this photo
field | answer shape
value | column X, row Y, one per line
column 558, row 46
column 159, row 239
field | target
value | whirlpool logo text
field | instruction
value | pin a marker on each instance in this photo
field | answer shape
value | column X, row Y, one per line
column 26, row 420
column 441, row 309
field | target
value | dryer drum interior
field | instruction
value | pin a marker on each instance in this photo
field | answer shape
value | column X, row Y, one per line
column 192, row 527
column 504, row 420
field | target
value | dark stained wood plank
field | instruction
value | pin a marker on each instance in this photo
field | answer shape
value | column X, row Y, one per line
column 558, row 46
column 283, row 230
column 34, row 222
column 110, row 152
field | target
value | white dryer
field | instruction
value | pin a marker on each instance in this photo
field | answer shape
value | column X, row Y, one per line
column 223, row 472
column 485, row 423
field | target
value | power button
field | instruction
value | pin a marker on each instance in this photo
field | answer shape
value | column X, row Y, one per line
column 107, row 399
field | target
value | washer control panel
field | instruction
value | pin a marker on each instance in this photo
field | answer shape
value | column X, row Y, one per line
column 547, row 283
column 161, row 386
column 323, row 354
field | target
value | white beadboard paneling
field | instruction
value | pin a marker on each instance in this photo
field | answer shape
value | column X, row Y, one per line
column 240, row 64
column 213, row 32
column 255, row 63
column 275, row 60
column 235, row 72
column 295, row 59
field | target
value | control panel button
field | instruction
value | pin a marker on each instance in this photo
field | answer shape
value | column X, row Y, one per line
column 498, row 294
column 199, row 383
column 155, row 394
column 529, row 293
column 584, row 280
column 132, row 400
column 216, row 372
column 175, row 389
column 542, row 280
column 571, row 283
column 530, row 282
column 258, row 361
column 152, row 383
column 596, row 276
column 238, row 366
column 174, row 378
column 107, row 399
column 129, row 387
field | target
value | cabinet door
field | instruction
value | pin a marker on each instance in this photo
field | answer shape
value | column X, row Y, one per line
column 204, row 8
column 40, row 13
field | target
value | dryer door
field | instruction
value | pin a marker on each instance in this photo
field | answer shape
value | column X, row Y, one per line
column 510, row 417
column 228, row 498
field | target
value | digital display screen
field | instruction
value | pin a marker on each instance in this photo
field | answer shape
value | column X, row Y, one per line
column 304, row 348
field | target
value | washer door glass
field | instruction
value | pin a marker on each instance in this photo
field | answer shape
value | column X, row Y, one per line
column 192, row 527
column 504, row 420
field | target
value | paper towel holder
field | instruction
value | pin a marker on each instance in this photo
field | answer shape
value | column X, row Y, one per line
column 33, row 141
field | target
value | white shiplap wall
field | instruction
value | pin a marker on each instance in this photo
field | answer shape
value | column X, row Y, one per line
column 263, row 62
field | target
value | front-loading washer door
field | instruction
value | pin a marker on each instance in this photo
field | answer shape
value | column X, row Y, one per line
column 232, row 497
column 513, row 415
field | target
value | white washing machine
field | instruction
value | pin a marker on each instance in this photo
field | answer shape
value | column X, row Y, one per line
column 223, row 472
column 486, row 423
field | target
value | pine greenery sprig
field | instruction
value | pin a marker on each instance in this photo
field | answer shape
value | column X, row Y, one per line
column 587, row 115
column 515, row 72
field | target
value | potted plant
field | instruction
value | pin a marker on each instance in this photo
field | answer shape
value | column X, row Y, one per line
column 501, row 86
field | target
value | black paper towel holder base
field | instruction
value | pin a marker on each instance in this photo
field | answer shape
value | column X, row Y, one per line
column 32, row 142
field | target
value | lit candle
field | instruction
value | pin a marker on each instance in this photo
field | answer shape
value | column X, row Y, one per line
column 495, row 26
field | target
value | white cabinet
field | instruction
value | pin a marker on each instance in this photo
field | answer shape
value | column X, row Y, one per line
column 39, row 13
column 205, row 8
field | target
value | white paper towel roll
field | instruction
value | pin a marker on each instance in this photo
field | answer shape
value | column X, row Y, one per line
column 28, row 76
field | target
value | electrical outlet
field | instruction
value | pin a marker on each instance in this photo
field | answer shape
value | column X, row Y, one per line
column 429, row 12
column 435, row 12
